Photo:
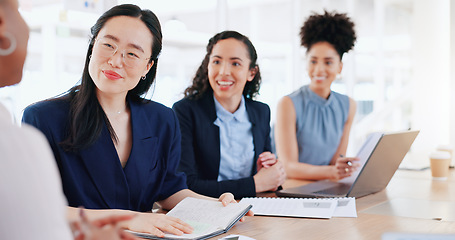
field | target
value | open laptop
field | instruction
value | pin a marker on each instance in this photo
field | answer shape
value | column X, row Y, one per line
column 380, row 156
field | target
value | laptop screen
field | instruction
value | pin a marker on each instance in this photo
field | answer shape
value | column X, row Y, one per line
column 382, row 163
column 363, row 155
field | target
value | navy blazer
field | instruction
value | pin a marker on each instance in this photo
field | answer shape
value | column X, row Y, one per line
column 201, row 145
column 94, row 178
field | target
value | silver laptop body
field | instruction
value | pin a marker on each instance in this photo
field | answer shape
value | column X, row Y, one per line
column 380, row 156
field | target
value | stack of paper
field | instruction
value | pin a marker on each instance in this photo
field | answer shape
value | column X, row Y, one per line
column 303, row 207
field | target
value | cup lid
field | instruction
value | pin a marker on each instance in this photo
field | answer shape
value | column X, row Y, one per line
column 445, row 147
column 440, row 155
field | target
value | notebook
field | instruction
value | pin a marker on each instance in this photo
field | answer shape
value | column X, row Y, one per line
column 380, row 156
column 208, row 218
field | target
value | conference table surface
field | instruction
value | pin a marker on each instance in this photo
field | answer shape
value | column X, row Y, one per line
column 405, row 184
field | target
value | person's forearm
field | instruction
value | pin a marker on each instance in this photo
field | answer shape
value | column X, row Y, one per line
column 306, row 171
column 175, row 198
column 93, row 214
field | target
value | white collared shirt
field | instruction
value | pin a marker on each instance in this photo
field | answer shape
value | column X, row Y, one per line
column 236, row 142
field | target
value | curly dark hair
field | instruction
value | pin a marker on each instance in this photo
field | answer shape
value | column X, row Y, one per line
column 334, row 28
column 201, row 83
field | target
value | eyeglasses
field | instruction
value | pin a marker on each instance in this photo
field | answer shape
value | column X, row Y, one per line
column 132, row 57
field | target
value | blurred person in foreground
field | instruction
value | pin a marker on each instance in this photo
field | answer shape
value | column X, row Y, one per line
column 32, row 204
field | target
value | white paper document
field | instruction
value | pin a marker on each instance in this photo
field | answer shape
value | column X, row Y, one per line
column 236, row 237
column 303, row 207
column 345, row 208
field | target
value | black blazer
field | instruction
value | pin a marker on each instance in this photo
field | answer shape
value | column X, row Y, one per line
column 201, row 145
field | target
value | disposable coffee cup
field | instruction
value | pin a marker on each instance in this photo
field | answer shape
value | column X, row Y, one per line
column 439, row 163
column 449, row 149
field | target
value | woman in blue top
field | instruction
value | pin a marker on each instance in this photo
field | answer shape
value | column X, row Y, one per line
column 117, row 152
column 225, row 134
column 313, row 123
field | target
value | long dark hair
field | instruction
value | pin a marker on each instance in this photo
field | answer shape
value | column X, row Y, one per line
column 86, row 114
column 201, row 83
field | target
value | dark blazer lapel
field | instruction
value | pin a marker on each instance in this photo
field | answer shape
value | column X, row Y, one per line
column 211, row 136
column 208, row 106
column 144, row 146
column 252, row 115
column 103, row 165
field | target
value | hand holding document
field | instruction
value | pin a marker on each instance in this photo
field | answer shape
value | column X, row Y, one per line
column 208, row 218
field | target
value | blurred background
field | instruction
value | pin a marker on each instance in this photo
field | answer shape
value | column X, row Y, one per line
column 401, row 72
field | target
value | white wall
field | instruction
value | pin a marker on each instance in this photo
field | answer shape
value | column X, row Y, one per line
column 402, row 62
column 431, row 74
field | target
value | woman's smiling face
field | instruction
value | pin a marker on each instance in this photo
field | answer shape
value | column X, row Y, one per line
column 323, row 65
column 127, row 37
column 229, row 69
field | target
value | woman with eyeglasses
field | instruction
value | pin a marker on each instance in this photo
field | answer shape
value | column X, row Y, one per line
column 116, row 151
